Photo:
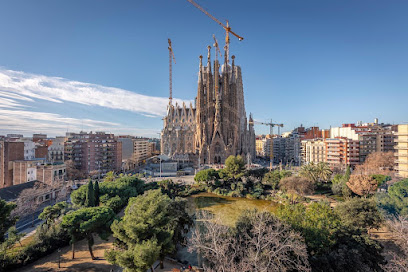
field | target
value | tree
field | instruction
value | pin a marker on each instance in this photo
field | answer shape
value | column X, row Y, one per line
column 396, row 201
column 272, row 178
column 323, row 171
column 257, row 173
column 96, row 193
column 337, row 184
column 152, row 217
column 362, row 185
column 28, row 200
column 90, row 195
column 360, row 213
column 332, row 246
column 377, row 163
column 234, row 167
column 72, row 172
column 258, row 242
column 296, row 185
column 110, row 176
column 316, row 172
column 309, row 172
column 87, row 221
column 125, row 187
column 6, row 220
column 206, row 176
column 51, row 213
column 399, row 229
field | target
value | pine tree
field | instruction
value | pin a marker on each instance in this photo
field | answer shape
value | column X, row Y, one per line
column 345, row 189
column 346, row 176
column 96, row 193
column 90, row 195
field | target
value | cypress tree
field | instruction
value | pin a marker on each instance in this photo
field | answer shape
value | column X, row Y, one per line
column 90, row 196
column 96, row 193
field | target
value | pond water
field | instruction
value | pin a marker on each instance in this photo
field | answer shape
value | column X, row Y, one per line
column 228, row 208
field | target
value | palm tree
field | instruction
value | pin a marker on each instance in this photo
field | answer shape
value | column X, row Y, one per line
column 309, row 172
column 323, row 171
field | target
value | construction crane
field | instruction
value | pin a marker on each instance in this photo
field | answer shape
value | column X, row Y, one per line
column 226, row 27
column 271, row 126
column 171, row 59
column 217, row 49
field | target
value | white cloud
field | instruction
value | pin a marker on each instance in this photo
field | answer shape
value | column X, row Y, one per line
column 19, row 88
column 27, row 122
column 26, row 86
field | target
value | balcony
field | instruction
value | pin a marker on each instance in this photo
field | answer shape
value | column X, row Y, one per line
column 401, row 140
column 400, row 147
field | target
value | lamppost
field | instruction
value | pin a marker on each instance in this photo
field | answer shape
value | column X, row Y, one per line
column 59, row 258
column 160, row 167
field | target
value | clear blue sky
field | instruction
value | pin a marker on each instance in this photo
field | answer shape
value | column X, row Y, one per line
column 310, row 62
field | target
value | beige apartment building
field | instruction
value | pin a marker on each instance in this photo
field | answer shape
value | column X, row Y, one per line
column 402, row 151
column 141, row 150
column 313, row 150
column 263, row 146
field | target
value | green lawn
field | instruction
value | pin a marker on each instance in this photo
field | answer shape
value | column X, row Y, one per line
column 228, row 208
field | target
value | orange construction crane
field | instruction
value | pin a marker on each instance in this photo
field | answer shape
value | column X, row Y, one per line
column 171, row 58
column 226, row 27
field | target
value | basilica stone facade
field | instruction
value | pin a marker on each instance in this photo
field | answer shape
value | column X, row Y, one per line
column 217, row 127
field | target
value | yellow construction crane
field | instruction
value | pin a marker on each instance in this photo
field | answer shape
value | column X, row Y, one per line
column 171, row 59
column 271, row 126
column 226, row 27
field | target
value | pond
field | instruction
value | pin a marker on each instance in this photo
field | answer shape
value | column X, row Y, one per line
column 228, row 208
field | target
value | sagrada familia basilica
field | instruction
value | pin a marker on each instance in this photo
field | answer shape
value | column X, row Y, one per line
column 217, row 126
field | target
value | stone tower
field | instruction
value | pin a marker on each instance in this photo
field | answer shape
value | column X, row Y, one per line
column 221, row 123
column 217, row 127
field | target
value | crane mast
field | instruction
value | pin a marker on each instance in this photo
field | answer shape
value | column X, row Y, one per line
column 171, row 59
column 217, row 49
column 226, row 27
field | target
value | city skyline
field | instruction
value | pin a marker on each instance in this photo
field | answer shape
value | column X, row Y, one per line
column 306, row 63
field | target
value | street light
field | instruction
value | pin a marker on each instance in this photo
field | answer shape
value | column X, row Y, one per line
column 59, row 258
column 160, row 167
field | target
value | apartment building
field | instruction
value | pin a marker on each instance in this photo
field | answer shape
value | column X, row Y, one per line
column 141, row 150
column 51, row 173
column 56, row 150
column 342, row 152
column 25, row 170
column 97, row 151
column 9, row 152
column 373, row 137
column 402, row 150
column 313, row 150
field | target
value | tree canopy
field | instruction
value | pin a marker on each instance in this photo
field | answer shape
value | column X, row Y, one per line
column 87, row 221
column 152, row 217
column 6, row 221
column 234, row 167
column 331, row 244
column 206, row 176
column 258, row 242
column 396, row 201
column 90, row 195
column 362, row 185
column 361, row 213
